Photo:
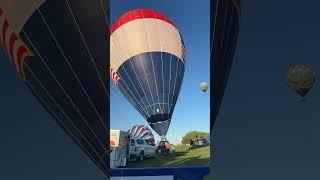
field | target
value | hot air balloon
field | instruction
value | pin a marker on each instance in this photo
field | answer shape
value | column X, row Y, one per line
column 58, row 48
column 141, row 131
column 147, row 63
column 301, row 79
column 203, row 86
column 224, row 30
column 225, row 22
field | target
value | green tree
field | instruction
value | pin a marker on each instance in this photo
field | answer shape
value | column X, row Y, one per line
column 194, row 136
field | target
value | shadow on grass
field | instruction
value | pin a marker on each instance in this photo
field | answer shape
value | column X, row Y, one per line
column 184, row 156
column 174, row 160
column 192, row 161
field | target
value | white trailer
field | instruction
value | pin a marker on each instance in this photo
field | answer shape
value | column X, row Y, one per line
column 119, row 145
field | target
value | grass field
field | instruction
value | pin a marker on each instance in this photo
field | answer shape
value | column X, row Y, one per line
column 184, row 156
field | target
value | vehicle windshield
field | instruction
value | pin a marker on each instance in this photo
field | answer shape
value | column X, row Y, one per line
column 150, row 142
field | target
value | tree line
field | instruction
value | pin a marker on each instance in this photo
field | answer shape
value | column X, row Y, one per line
column 194, row 136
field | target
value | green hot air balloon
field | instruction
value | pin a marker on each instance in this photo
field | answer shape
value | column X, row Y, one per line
column 301, row 79
column 204, row 86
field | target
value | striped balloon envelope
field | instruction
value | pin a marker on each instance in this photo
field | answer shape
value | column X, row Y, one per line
column 225, row 26
column 141, row 131
column 58, row 48
column 147, row 64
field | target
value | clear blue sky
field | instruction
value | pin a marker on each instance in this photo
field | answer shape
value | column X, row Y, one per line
column 192, row 110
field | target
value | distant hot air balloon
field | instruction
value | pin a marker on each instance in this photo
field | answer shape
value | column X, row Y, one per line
column 58, row 48
column 225, row 23
column 301, row 79
column 147, row 63
column 203, row 86
column 141, row 131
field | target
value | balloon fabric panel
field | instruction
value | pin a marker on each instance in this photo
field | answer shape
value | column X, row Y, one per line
column 68, row 66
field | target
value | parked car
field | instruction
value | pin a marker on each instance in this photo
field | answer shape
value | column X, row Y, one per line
column 206, row 141
column 141, row 148
column 203, row 142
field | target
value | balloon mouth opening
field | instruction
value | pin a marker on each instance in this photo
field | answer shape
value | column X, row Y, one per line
column 303, row 92
column 158, row 118
column 163, row 138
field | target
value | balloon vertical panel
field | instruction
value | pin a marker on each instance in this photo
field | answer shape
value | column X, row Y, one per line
column 224, row 29
column 225, row 22
column 60, row 49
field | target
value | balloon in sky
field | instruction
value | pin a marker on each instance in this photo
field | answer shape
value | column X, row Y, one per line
column 147, row 63
column 141, row 131
column 301, row 79
column 203, row 86
column 225, row 23
column 58, row 48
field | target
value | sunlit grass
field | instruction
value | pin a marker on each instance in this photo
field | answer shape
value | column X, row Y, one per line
column 184, row 156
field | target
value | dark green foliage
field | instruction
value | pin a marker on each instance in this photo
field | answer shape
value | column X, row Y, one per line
column 194, row 136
